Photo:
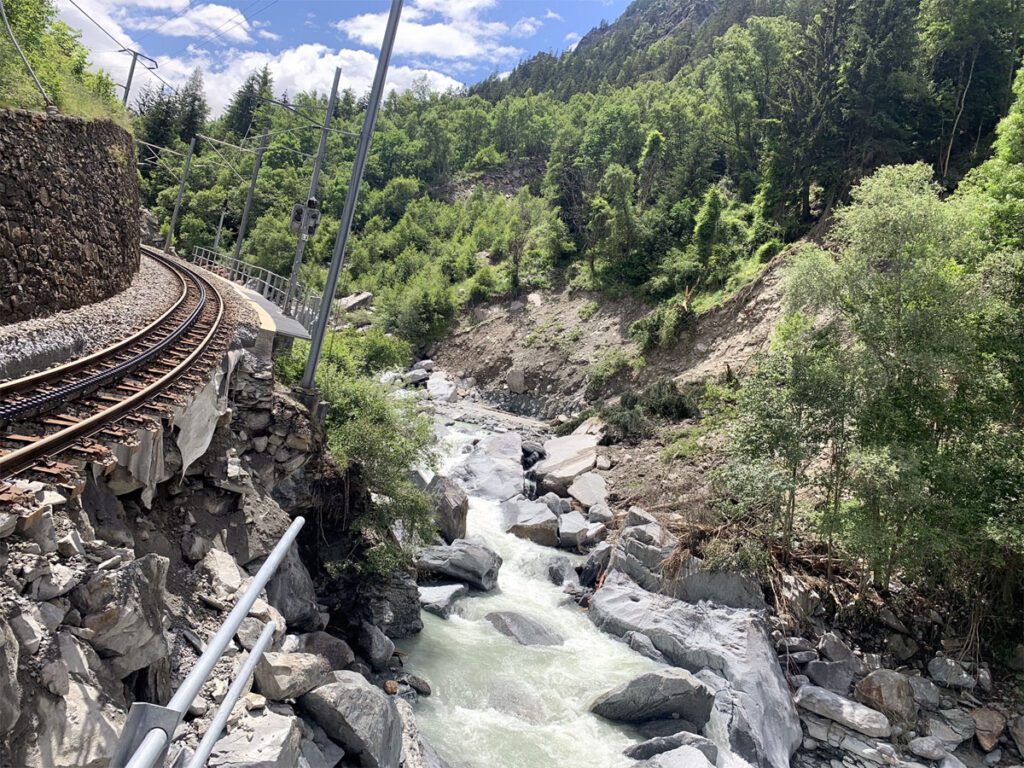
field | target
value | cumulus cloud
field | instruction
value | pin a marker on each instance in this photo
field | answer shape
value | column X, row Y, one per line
column 219, row 22
column 552, row 16
column 526, row 26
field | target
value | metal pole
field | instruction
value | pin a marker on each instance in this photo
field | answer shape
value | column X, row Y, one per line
column 131, row 74
column 220, row 228
column 152, row 747
column 10, row 34
column 313, row 183
column 338, row 259
column 216, row 726
column 252, row 188
column 181, row 192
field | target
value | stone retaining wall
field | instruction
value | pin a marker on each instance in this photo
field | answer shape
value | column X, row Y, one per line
column 69, row 213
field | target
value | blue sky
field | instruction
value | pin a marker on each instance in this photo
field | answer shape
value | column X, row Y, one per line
column 448, row 42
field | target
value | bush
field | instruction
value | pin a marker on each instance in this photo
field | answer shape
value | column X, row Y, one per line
column 422, row 310
column 662, row 326
column 614, row 364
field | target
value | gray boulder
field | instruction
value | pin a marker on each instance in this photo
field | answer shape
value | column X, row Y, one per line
column 441, row 600
column 596, row 564
column 836, row 676
column 360, row 717
column 660, row 744
column 416, row 751
column 451, row 506
column 531, row 520
column 572, row 530
column 680, row 757
column 440, row 387
column 394, row 605
column 950, row 673
column 291, row 591
column 758, row 721
column 555, row 503
column 264, row 740
column 642, row 644
column 465, row 560
column 669, row 692
column 281, row 676
column 888, row 691
column 600, row 513
column 493, row 469
column 10, row 688
column 950, row 726
column 523, row 629
column 832, row 647
column 589, row 489
column 335, row 650
column 926, row 693
column 854, row 716
column 377, row 646
column 561, row 571
column 567, row 458
column 928, row 747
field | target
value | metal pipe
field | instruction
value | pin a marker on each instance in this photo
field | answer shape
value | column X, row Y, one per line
column 131, row 75
column 248, row 198
column 181, row 192
column 220, row 719
column 338, row 259
column 151, row 748
column 313, row 183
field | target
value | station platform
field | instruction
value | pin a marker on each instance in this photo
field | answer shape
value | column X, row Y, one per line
column 275, row 327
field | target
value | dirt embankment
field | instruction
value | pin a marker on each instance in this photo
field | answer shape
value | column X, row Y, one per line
column 534, row 355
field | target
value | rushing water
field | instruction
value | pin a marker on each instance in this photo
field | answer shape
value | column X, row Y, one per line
column 498, row 704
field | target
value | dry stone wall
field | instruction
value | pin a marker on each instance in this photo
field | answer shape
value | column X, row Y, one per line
column 69, row 213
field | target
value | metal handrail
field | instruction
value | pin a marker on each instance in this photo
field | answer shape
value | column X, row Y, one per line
column 305, row 305
column 149, row 729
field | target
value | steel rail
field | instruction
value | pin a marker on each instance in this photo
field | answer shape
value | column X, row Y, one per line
column 36, row 404
column 23, row 458
column 36, row 379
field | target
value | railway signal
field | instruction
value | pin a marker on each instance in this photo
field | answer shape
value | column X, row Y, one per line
column 305, row 220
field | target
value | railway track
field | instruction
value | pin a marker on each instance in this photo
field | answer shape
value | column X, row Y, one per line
column 135, row 380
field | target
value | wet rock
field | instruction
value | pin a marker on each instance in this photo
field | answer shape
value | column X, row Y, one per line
column 596, row 564
column 642, row 644
column 589, row 489
column 441, row 600
column 926, row 693
column 681, row 757
column 493, row 469
column 669, row 692
column 266, row 740
column 416, row 751
column 572, row 530
column 836, row 676
column 377, row 647
column 927, row 747
column 555, row 503
column 532, row 521
column 281, row 676
column 660, row 744
column 989, row 726
column 950, row 673
column 360, row 717
column 417, row 683
column 561, row 571
column 451, row 506
column 465, row 560
column 854, row 716
column 123, row 609
column 889, row 692
column 523, row 629
column 757, row 720
column 567, row 458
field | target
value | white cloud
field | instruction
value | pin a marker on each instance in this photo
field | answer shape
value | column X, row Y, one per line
column 266, row 34
column 526, row 26
column 445, row 29
column 552, row 16
column 220, row 22
column 573, row 39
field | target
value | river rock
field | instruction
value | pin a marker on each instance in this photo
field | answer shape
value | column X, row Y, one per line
column 572, row 530
column 600, row 513
column 440, row 387
column 669, row 692
column 567, row 458
column 642, row 644
column 989, row 726
column 261, row 740
column 834, row 707
column 927, row 747
column 451, row 506
column 335, row 650
column 596, row 564
column 123, row 609
column 393, row 604
column 589, row 489
column 837, row 676
column 466, row 560
column 660, row 744
column 555, row 503
column 360, row 717
column 377, row 646
column 561, row 571
column 950, row 673
column 416, row 751
column 493, row 469
column 757, row 720
column 523, row 629
column 680, row 757
column 441, row 600
column 888, row 691
column 531, row 520
column 281, row 676
column 291, row 591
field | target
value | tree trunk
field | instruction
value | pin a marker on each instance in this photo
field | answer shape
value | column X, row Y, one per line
column 959, row 114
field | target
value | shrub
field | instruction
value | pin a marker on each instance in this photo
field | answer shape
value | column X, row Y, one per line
column 422, row 310
column 613, row 364
column 662, row 326
column 588, row 310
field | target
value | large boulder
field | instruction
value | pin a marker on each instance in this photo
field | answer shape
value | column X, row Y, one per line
column 685, row 756
column 394, row 605
column 360, row 717
column 77, row 730
column 888, row 691
column 281, row 676
column 451, row 507
column 263, row 740
column 441, row 600
column 416, row 751
column 335, row 650
column 523, row 629
column 123, row 609
column 531, row 520
column 854, row 716
column 567, row 458
column 596, row 564
column 989, row 726
column 665, row 693
column 440, row 387
column 950, row 673
column 493, row 469
column 756, row 719
column 660, row 744
column 10, row 688
column 572, row 530
column 589, row 489
column 375, row 645
column 290, row 590
column 465, row 560
column 950, row 726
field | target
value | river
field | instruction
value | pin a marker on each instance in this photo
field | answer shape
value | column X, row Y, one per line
column 499, row 704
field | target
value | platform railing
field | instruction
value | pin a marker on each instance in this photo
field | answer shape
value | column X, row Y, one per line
column 305, row 305
column 149, row 729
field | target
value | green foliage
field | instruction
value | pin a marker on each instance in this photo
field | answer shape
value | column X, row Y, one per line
column 420, row 311
column 610, row 366
column 662, row 325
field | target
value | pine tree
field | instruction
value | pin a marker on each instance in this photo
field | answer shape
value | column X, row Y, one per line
column 190, row 107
